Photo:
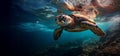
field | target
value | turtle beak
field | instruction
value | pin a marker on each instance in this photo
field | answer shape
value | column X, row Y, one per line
column 61, row 21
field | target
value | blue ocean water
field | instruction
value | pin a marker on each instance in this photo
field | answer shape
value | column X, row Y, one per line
column 32, row 33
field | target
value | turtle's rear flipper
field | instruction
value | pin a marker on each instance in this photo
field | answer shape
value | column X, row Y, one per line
column 57, row 33
column 93, row 27
column 96, row 30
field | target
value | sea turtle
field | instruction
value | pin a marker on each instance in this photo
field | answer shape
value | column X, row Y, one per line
column 71, row 23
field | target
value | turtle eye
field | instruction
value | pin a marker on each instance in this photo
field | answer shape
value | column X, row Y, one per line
column 64, row 19
column 56, row 19
column 61, row 18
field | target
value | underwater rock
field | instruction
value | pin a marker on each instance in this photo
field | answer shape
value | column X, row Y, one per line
column 66, row 49
column 52, row 51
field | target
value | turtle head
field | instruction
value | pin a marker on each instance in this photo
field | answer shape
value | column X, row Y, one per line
column 63, row 20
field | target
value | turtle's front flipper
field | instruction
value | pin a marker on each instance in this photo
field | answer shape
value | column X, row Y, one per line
column 57, row 33
column 96, row 30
